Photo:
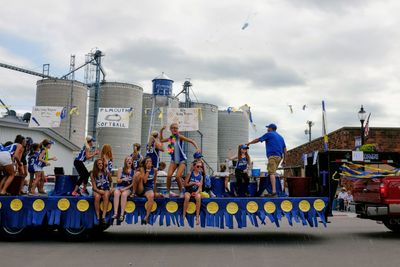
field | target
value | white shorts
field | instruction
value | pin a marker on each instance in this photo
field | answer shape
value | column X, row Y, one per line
column 5, row 158
column 37, row 168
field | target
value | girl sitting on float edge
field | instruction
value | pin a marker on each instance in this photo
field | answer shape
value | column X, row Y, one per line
column 102, row 188
column 178, row 157
column 123, row 187
column 144, row 184
column 193, row 186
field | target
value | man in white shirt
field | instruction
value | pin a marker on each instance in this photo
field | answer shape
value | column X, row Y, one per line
column 341, row 198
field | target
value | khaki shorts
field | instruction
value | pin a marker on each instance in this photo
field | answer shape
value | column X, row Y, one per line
column 273, row 164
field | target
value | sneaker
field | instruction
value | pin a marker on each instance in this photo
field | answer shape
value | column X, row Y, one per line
column 272, row 195
column 264, row 193
column 172, row 194
column 42, row 193
column 181, row 194
column 75, row 194
column 84, row 192
column 212, row 194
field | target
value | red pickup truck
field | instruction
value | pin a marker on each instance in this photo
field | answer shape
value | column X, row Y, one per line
column 379, row 199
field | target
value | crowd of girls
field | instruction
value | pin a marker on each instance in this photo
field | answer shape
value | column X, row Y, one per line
column 137, row 177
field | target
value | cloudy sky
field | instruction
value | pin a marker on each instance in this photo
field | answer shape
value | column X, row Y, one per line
column 293, row 52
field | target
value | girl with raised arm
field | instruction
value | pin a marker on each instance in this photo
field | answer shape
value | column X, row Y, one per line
column 178, row 157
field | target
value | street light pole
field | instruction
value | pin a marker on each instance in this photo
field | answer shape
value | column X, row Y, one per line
column 362, row 115
column 308, row 131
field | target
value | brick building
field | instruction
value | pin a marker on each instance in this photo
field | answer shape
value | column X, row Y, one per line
column 387, row 139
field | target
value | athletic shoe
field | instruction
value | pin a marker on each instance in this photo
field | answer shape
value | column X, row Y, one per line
column 272, row 195
column 75, row 194
column 172, row 194
column 212, row 194
column 181, row 194
column 84, row 192
column 264, row 193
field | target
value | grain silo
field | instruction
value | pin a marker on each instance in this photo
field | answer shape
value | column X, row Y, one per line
column 233, row 129
column 121, row 95
column 208, row 135
column 157, row 122
column 65, row 93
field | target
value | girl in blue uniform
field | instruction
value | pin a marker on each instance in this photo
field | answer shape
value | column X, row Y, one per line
column 10, row 160
column 35, row 166
column 84, row 154
column 136, row 156
column 101, row 183
column 44, row 159
column 178, row 157
column 193, row 186
column 123, row 188
column 107, row 157
column 153, row 148
column 242, row 178
column 32, row 158
column 144, row 184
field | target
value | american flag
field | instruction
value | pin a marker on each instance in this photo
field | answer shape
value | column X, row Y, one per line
column 366, row 129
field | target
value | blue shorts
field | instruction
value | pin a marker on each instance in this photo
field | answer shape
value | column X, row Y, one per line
column 191, row 189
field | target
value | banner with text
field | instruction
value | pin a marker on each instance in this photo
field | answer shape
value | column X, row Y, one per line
column 187, row 118
column 114, row 117
column 46, row 117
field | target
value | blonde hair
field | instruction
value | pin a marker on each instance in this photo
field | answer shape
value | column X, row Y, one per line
column 87, row 139
column 106, row 150
column 153, row 136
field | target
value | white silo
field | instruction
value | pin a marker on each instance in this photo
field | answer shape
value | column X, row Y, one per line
column 233, row 129
column 65, row 93
column 121, row 95
column 207, row 135
column 157, row 122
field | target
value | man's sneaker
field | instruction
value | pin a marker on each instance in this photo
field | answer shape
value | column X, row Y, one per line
column 172, row 194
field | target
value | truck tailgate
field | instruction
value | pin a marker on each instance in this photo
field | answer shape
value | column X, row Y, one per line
column 367, row 190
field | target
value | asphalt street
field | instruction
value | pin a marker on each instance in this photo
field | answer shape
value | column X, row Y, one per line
column 347, row 241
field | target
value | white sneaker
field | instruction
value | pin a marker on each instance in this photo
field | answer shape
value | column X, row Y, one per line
column 212, row 194
column 264, row 193
column 182, row 194
column 172, row 194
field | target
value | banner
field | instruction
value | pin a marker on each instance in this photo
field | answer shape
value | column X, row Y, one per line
column 114, row 117
column 187, row 118
column 46, row 117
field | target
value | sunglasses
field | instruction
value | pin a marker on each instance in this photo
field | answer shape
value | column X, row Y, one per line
column 199, row 166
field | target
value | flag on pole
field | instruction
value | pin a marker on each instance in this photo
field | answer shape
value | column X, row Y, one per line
column 366, row 129
column 324, row 127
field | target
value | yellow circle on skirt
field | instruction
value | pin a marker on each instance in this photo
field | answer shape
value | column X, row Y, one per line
column 130, row 206
column 286, row 206
column 63, row 204
column 269, row 207
column 171, row 206
column 232, row 208
column 191, row 208
column 152, row 208
column 252, row 206
column 319, row 205
column 204, row 195
column 16, row 204
column 38, row 205
column 109, row 207
column 212, row 207
column 82, row 205
column 304, row 206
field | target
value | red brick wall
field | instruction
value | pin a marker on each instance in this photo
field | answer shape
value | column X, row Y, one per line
column 386, row 139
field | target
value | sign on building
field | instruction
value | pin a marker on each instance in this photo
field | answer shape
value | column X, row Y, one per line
column 114, row 117
column 46, row 117
column 187, row 118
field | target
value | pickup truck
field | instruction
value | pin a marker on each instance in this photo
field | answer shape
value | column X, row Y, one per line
column 379, row 199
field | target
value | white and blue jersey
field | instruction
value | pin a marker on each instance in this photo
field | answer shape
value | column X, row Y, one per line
column 102, row 182
column 10, row 148
column 126, row 178
column 242, row 164
column 136, row 161
column 193, row 179
column 149, row 185
column 109, row 165
column 82, row 155
column 154, row 154
column 33, row 161
column 178, row 155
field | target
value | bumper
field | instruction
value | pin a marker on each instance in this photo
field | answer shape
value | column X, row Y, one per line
column 371, row 210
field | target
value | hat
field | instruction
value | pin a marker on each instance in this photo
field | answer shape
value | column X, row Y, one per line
column 90, row 138
column 244, row 147
column 197, row 155
column 51, row 142
column 272, row 126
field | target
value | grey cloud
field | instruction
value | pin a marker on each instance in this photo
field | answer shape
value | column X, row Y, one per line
column 338, row 6
column 146, row 57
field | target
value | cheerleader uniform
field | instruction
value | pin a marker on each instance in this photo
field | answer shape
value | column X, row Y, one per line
column 102, row 182
column 194, row 178
column 149, row 185
column 154, row 154
column 126, row 178
column 81, row 168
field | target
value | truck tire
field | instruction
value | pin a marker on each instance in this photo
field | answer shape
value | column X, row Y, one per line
column 11, row 233
column 74, row 234
column 392, row 224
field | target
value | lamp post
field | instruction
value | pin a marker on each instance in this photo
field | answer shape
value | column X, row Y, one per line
column 308, row 131
column 362, row 115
